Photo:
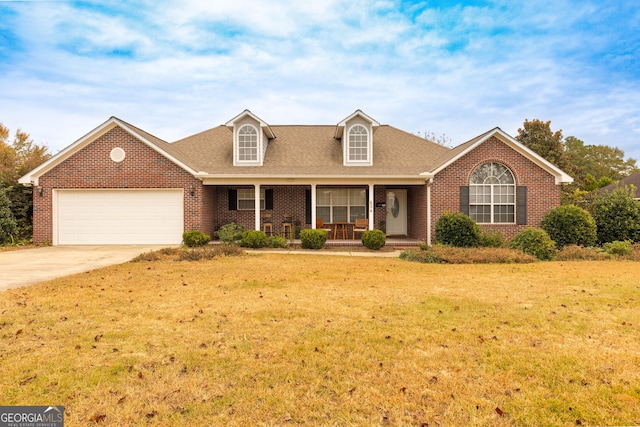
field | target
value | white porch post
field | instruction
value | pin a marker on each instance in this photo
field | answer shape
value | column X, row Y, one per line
column 371, row 207
column 313, row 205
column 429, row 183
column 257, row 205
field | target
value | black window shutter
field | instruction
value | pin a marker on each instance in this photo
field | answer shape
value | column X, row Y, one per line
column 307, row 206
column 464, row 199
column 233, row 199
column 366, row 211
column 268, row 199
column 522, row 205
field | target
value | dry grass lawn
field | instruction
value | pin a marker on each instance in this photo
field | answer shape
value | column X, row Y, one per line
column 272, row 339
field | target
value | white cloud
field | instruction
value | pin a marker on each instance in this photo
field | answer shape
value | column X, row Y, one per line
column 178, row 68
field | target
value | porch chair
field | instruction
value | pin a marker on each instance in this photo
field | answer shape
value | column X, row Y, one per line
column 287, row 226
column 361, row 225
column 267, row 223
column 320, row 226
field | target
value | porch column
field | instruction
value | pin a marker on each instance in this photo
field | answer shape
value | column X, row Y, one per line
column 313, row 206
column 371, row 207
column 429, row 183
column 257, row 205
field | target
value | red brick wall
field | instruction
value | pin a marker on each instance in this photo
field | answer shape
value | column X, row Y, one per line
column 142, row 167
column 379, row 213
column 542, row 192
column 417, row 221
column 287, row 199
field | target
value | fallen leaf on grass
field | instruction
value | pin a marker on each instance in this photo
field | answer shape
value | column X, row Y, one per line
column 28, row 380
column 98, row 418
column 500, row 411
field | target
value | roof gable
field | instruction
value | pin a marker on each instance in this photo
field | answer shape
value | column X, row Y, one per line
column 163, row 148
column 461, row 150
column 246, row 113
column 343, row 123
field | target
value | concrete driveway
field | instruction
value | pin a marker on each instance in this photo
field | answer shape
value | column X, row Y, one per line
column 29, row 266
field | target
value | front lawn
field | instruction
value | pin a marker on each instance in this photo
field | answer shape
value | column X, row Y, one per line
column 274, row 339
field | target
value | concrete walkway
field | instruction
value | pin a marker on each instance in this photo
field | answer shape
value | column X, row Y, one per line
column 29, row 266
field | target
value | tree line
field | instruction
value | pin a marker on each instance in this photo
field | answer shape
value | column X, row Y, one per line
column 591, row 166
column 18, row 155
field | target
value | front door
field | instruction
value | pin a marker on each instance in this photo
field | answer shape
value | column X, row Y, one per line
column 396, row 212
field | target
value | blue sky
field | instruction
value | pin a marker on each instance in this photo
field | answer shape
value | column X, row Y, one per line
column 457, row 68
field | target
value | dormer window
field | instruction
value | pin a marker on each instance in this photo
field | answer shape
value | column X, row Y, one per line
column 247, row 144
column 251, row 137
column 358, row 142
column 356, row 137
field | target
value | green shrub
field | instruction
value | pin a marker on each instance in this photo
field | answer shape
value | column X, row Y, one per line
column 570, row 225
column 536, row 242
column 617, row 215
column 374, row 239
column 230, row 233
column 276, row 242
column 253, row 239
column 491, row 239
column 195, row 238
column 457, row 229
column 618, row 247
column 312, row 238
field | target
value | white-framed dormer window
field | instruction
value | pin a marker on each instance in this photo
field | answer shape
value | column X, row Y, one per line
column 247, row 144
column 358, row 144
column 356, row 138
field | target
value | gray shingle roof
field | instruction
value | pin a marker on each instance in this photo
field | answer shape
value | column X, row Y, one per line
column 633, row 179
column 312, row 150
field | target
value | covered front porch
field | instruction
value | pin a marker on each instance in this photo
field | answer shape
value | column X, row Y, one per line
column 399, row 208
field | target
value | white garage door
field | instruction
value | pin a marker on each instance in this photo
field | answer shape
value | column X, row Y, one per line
column 119, row 217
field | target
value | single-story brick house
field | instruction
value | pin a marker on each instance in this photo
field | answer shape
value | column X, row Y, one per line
column 120, row 185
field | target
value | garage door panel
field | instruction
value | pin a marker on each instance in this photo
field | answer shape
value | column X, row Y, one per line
column 120, row 216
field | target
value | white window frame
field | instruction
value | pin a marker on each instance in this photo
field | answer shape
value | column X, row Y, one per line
column 248, row 197
column 356, row 143
column 248, row 143
column 334, row 204
column 497, row 191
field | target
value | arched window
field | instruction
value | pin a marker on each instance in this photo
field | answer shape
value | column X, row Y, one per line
column 358, row 144
column 492, row 194
column 247, row 144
